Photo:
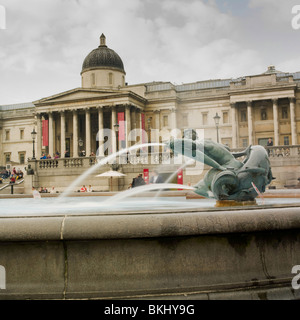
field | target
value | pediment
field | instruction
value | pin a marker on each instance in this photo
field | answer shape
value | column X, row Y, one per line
column 77, row 94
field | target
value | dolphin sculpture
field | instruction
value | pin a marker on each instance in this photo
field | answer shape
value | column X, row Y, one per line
column 229, row 178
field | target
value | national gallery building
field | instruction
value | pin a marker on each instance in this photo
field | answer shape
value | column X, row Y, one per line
column 83, row 121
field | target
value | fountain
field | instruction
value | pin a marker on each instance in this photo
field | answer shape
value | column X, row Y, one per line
column 136, row 246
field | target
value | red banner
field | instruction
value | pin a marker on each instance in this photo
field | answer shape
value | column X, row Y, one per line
column 146, row 175
column 45, row 133
column 121, row 123
column 180, row 177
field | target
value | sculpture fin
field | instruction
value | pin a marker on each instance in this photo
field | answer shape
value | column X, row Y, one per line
column 246, row 152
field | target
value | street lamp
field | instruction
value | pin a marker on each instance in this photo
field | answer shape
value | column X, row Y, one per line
column 217, row 121
column 116, row 127
column 33, row 136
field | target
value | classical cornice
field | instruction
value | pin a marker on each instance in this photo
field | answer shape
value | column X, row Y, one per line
column 239, row 91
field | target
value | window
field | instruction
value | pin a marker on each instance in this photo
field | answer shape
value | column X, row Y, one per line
column 243, row 116
column 93, row 79
column 110, row 78
column 7, row 135
column 7, row 157
column 21, row 157
column 286, row 140
column 225, row 117
column 263, row 114
column 284, row 113
column 185, row 120
column 245, row 143
column 165, row 121
column 204, row 118
column 21, row 134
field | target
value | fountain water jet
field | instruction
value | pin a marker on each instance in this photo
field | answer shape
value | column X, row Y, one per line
column 103, row 162
column 147, row 187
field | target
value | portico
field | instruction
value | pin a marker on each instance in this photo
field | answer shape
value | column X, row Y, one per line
column 72, row 119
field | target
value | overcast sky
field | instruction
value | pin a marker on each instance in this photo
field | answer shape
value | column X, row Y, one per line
column 45, row 41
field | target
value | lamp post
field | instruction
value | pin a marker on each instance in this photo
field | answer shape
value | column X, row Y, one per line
column 33, row 136
column 217, row 121
column 116, row 127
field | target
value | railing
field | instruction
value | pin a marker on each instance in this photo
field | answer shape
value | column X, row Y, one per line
column 11, row 185
column 134, row 159
column 279, row 151
column 155, row 158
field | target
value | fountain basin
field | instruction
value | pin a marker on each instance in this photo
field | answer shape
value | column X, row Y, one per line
column 184, row 252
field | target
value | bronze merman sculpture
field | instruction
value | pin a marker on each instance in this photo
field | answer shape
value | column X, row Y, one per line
column 229, row 178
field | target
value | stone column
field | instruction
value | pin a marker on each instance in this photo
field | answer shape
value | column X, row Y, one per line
column 113, row 122
column 173, row 119
column 100, row 132
column 87, row 132
column 276, row 123
column 128, row 124
column 157, row 128
column 51, row 144
column 234, row 125
column 38, row 136
column 250, row 122
column 293, row 121
column 139, row 124
column 62, row 134
column 133, row 126
column 75, row 133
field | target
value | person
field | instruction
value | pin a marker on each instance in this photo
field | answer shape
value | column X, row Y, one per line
column 138, row 181
column 89, row 189
column 83, row 189
column 12, row 179
column 52, row 190
column 43, row 156
column 57, row 155
column 35, row 193
column 269, row 144
column 156, row 178
column 67, row 154
column 92, row 154
column 48, row 156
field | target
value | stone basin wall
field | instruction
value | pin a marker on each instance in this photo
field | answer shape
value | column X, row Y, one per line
column 205, row 254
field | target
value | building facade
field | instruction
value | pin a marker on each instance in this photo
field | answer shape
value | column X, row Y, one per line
column 83, row 121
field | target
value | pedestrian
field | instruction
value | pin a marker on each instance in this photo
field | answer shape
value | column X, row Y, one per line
column 139, row 181
column 83, row 189
column 35, row 193
column 52, row 190
column 156, row 178
column 89, row 189
column 269, row 144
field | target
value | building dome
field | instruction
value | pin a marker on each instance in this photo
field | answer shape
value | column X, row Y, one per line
column 103, row 58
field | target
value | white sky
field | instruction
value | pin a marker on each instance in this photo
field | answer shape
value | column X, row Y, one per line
column 45, row 41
